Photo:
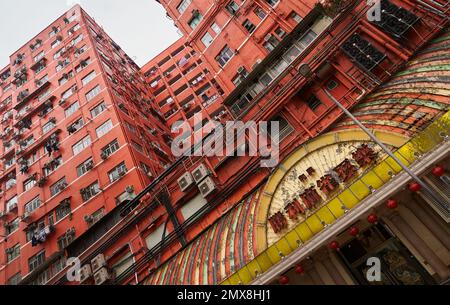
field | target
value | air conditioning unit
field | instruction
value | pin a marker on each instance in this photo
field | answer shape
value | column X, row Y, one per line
column 200, row 173
column 26, row 216
column 207, row 186
column 102, row 276
column 185, row 181
column 98, row 262
column 88, row 218
column 85, row 273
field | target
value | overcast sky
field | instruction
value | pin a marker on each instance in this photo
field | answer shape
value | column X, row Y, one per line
column 140, row 27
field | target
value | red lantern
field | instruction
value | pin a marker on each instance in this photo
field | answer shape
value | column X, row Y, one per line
column 334, row 245
column 283, row 280
column 415, row 187
column 438, row 171
column 353, row 231
column 392, row 204
column 299, row 269
column 372, row 218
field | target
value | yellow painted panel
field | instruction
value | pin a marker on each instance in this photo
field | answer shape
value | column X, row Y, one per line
column 273, row 254
column 404, row 160
column 394, row 165
column 264, row 261
column 371, row 179
column 360, row 190
column 314, row 224
column 304, row 232
column 382, row 170
column 293, row 239
column 325, row 215
column 245, row 276
column 408, row 152
column 348, row 199
column 254, row 268
column 335, row 207
column 234, row 279
column 225, row 283
column 284, row 247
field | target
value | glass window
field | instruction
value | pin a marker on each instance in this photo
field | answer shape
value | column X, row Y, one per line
column 15, row 279
column 81, row 145
column 111, row 148
column 260, row 13
column 215, row 28
column 11, row 204
column 93, row 93
column 48, row 126
column 13, row 253
column 249, row 26
column 98, row 109
column 88, row 78
column 71, row 109
column 207, row 39
column 85, row 167
column 117, row 172
column 32, row 205
column 184, row 4
column 90, row 191
column 195, row 20
column 36, row 261
column 12, row 226
column 104, row 128
column 232, row 7
column 29, row 184
column 58, row 187
column 224, row 56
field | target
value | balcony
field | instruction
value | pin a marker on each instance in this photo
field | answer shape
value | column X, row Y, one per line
column 33, row 109
column 31, row 95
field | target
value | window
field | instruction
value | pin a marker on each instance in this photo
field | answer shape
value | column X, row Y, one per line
column 96, row 216
column 90, row 191
column 62, row 210
column 93, row 93
column 13, row 253
column 104, row 128
column 36, row 261
column 280, row 32
column 215, row 28
column 83, row 64
column 9, row 162
column 68, row 93
column 65, row 240
column 32, row 205
column 77, row 40
column 249, row 26
column 306, row 39
column 181, row 8
column 232, row 7
column 71, row 109
column 73, row 29
column 29, row 184
column 53, row 166
column 137, row 146
column 98, row 109
column 54, row 31
column 88, row 78
column 111, row 148
column 85, row 167
column 130, row 127
column 81, row 145
column 15, row 279
column 271, row 43
column 260, row 13
column 207, row 39
column 48, row 126
column 195, row 20
column 11, row 204
column 296, row 17
column 272, row 2
column 62, row 64
column 39, row 56
column 284, row 127
column 224, row 56
column 65, row 78
column 56, row 43
column 313, row 102
column 12, row 226
column 58, row 187
column 117, row 172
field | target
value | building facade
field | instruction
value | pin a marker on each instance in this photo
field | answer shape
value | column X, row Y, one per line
column 334, row 199
column 80, row 134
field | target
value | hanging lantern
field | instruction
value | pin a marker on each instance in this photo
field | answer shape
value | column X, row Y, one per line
column 372, row 218
column 353, row 231
column 334, row 245
column 392, row 204
column 283, row 280
column 438, row 171
column 415, row 187
column 299, row 269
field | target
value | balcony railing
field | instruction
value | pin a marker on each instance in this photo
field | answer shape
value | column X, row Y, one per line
column 330, row 213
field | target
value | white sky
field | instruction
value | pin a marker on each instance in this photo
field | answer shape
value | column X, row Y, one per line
column 140, row 27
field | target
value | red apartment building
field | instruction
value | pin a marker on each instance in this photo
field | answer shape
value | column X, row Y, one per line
column 334, row 199
column 80, row 134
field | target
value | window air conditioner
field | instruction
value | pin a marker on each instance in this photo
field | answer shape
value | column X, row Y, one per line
column 207, row 186
column 200, row 173
column 185, row 181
